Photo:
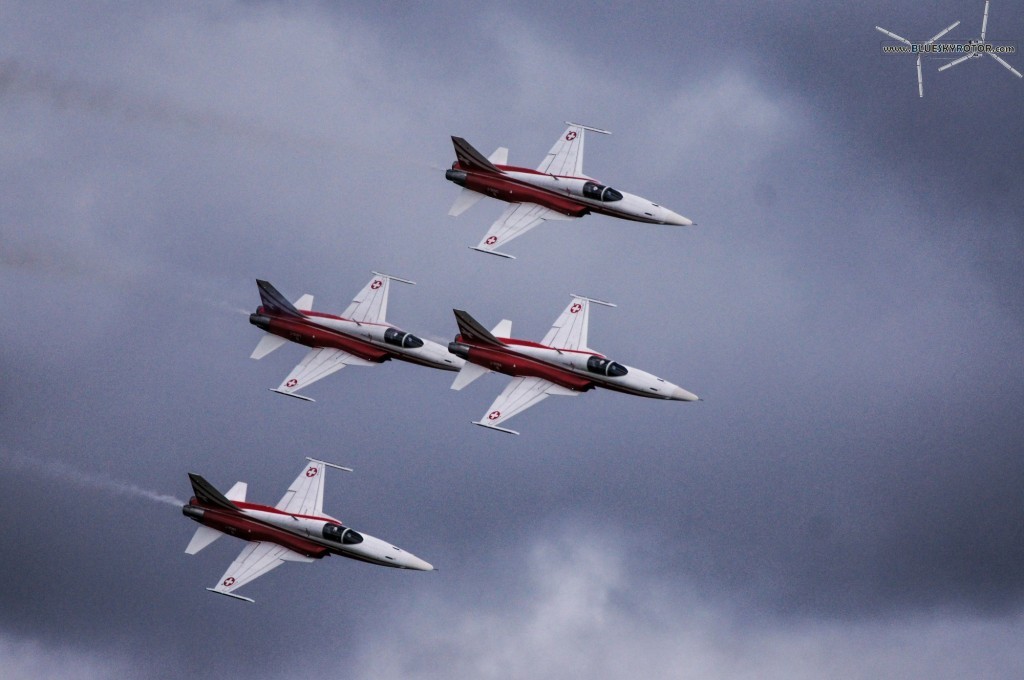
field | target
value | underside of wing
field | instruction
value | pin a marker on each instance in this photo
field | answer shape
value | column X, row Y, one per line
column 570, row 329
column 566, row 156
column 256, row 559
column 306, row 494
column 517, row 219
column 519, row 395
column 371, row 304
column 319, row 363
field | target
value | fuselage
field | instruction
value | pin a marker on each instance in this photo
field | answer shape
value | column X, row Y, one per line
column 369, row 341
column 573, row 196
column 573, row 369
column 309, row 535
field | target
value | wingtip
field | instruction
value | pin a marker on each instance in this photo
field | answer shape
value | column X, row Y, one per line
column 291, row 394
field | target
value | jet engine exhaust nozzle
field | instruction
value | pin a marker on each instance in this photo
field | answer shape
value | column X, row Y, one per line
column 192, row 511
column 457, row 176
column 459, row 349
column 260, row 320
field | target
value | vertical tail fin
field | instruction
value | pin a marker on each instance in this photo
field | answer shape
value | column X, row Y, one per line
column 206, row 493
column 274, row 302
column 471, row 159
column 470, row 329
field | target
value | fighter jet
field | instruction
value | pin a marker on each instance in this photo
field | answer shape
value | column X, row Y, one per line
column 294, row 530
column 561, row 364
column 359, row 337
column 556, row 190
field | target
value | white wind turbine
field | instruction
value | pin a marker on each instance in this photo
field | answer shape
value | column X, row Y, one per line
column 977, row 55
column 920, row 81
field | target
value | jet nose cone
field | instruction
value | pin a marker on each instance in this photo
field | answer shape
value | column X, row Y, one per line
column 679, row 394
column 676, row 219
column 418, row 564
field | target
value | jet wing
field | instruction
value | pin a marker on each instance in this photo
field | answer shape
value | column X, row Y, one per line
column 517, row 219
column 519, row 395
column 306, row 494
column 570, row 329
column 371, row 304
column 319, row 363
column 256, row 559
column 566, row 156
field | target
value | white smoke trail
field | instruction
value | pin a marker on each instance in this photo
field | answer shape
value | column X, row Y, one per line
column 73, row 476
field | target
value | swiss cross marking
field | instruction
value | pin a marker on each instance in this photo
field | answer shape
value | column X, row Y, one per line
column 491, row 240
column 291, row 383
column 229, row 581
column 575, row 308
column 376, row 284
column 311, row 472
column 493, row 415
column 570, row 136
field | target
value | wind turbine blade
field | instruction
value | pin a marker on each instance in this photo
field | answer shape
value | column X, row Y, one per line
column 894, row 36
column 984, row 22
column 920, row 82
column 1000, row 60
column 955, row 62
column 948, row 29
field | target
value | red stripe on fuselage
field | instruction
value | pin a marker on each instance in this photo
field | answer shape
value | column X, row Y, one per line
column 266, row 508
column 510, row 190
column 313, row 335
column 517, row 365
column 249, row 529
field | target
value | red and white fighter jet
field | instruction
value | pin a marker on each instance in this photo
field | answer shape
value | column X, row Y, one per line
column 561, row 364
column 556, row 190
column 294, row 530
column 359, row 337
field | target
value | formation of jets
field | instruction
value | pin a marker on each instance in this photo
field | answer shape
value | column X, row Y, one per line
column 297, row 529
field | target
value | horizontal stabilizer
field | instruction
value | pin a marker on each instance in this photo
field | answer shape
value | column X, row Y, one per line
column 499, row 157
column 503, row 329
column 466, row 199
column 274, row 302
column 237, row 492
column 206, row 493
column 203, row 537
column 268, row 343
column 471, row 330
column 471, row 159
column 304, row 303
column 467, row 374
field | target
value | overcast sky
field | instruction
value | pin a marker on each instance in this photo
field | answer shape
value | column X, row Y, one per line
column 846, row 502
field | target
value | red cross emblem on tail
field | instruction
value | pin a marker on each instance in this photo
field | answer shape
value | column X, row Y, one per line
column 311, row 472
column 376, row 284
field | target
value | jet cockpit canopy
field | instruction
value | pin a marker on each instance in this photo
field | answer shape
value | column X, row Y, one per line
column 600, row 192
column 340, row 534
column 603, row 366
